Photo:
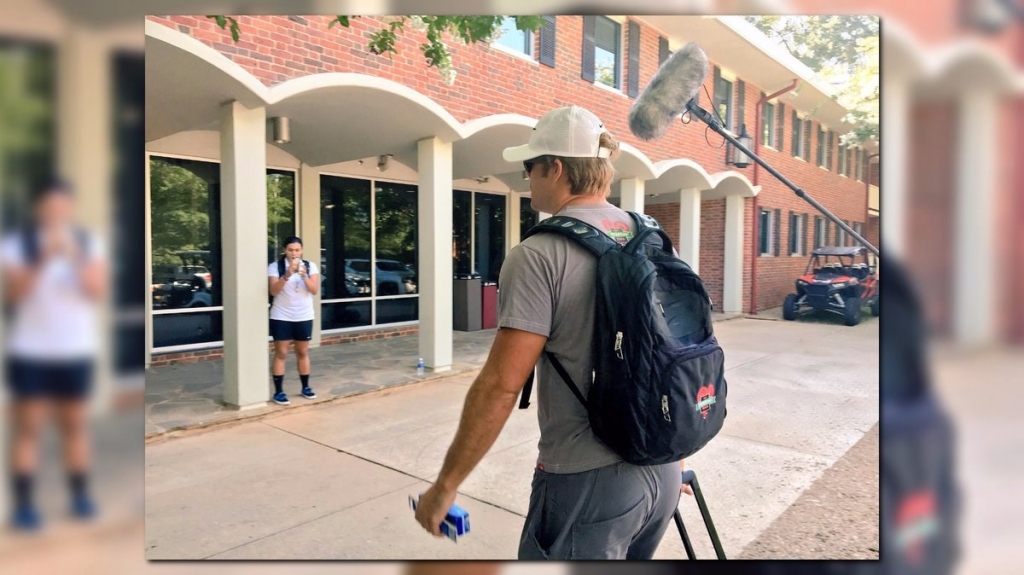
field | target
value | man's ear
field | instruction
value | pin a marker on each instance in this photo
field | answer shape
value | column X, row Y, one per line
column 557, row 168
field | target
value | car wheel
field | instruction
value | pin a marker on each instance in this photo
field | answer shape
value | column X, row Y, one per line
column 789, row 307
column 851, row 314
column 875, row 311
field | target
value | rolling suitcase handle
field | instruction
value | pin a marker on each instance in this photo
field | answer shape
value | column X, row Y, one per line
column 690, row 478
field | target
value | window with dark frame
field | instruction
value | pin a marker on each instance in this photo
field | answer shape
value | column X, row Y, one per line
column 768, row 123
column 607, row 52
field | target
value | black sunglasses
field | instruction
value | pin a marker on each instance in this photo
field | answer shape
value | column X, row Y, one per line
column 529, row 164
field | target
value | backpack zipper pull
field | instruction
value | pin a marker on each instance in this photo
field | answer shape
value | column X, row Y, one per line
column 664, row 408
column 618, row 344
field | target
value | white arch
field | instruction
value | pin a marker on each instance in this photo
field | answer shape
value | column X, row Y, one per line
column 632, row 163
column 480, row 124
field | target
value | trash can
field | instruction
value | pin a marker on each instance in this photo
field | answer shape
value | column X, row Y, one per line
column 489, row 306
column 466, row 305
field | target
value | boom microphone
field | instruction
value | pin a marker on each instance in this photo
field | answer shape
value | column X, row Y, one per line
column 665, row 97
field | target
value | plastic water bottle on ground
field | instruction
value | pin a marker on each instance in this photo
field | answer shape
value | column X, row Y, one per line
column 419, row 368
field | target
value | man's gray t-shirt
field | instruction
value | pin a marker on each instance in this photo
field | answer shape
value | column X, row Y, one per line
column 547, row 286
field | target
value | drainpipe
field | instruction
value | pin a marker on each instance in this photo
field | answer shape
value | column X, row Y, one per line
column 757, row 216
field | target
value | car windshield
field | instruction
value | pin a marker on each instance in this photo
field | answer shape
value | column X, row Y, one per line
column 363, row 266
column 389, row 266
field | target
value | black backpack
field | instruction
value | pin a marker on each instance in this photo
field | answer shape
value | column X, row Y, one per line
column 280, row 272
column 920, row 512
column 659, row 390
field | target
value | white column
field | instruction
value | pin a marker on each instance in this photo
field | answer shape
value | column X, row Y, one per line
column 243, row 172
column 435, row 242
column 733, row 277
column 632, row 195
column 309, row 231
column 893, row 184
column 974, row 264
column 689, row 227
column 84, row 157
column 514, row 231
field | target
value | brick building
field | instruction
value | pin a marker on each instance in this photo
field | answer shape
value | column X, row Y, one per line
column 430, row 153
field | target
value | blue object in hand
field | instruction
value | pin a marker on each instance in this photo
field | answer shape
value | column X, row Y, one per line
column 455, row 524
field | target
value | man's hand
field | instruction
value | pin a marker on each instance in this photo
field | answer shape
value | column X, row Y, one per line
column 302, row 271
column 684, row 487
column 433, row 507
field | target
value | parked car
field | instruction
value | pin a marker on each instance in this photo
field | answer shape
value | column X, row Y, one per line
column 836, row 282
column 393, row 277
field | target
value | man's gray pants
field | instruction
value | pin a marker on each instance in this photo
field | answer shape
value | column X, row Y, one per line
column 616, row 512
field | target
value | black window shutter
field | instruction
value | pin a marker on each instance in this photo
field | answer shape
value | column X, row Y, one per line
column 663, row 52
column 589, row 45
column 838, row 233
column 778, row 226
column 781, row 128
column 547, row 42
column 803, row 232
column 828, row 229
column 633, row 70
column 792, row 233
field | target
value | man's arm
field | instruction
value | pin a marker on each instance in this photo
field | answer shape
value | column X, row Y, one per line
column 490, row 401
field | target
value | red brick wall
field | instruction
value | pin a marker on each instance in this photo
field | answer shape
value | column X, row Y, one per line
column 930, row 223
column 279, row 48
column 165, row 359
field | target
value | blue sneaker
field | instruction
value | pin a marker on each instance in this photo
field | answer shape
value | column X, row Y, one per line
column 26, row 518
column 281, row 399
column 82, row 507
column 308, row 392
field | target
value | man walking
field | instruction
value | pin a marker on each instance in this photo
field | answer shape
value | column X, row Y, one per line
column 586, row 502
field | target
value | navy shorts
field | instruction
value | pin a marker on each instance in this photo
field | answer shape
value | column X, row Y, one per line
column 32, row 379
column 282, row 330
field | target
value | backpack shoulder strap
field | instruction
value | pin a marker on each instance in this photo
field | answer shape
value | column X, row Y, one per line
column 309, row 268
column 591, row 238
column 647, row 226
column 280, row 267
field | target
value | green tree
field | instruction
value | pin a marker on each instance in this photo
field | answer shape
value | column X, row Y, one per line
column 181, row 212
column 843, row 51
column 461, row 29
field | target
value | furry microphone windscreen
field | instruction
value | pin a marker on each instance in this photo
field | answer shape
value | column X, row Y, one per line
column 665, row 97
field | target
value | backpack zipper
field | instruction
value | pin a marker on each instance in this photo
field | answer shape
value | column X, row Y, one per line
column 618, row 344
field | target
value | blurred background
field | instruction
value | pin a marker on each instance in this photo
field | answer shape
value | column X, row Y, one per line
column 952, row 189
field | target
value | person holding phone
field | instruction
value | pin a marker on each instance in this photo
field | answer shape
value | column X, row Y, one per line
column 293, row 283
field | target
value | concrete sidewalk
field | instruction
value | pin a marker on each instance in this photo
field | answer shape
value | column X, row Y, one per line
column 187, row 396
column 332, row 481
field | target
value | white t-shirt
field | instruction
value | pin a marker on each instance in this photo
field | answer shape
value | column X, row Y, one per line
column 294, row 302
column 57, row 320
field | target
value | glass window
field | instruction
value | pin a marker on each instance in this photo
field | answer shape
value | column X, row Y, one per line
column 518, row 40
column 766, row 232
column 489, row 235
column 345, row 246
column 339, row 315
column 768, row 124
column 27, row 113
column 606, row 51
column 821, row 147
column 798, row 135
column 185, row 227
column 527, row 217
column 723, row 101
column 281, row 213
column 462, row 239
column 396, row 231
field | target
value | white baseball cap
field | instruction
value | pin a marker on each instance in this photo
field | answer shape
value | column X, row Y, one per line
column 570, row 132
